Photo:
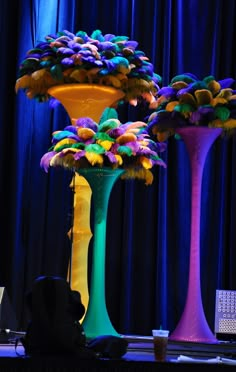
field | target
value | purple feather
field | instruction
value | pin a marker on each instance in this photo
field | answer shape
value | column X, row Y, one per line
column 76, row 47
column 78, row 155
column 69, row 34
column 67, row 62
column 48, row 53
column 116, row 132
column 111, row 157
column 45, row 160
column 86, row 122
column 134, row 146
column 90, row 59
column 43, row 45
column 202, row 114
column 71, row 128
column 226, row 83
column 167, row 92
column 108, row 37
column 33, row 56
column 131, row 44
column 65, row 51
column 106, row 45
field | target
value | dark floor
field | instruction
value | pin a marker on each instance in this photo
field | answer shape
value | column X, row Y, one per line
column 141, row 349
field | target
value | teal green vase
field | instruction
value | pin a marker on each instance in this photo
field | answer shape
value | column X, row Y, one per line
column 96, row 321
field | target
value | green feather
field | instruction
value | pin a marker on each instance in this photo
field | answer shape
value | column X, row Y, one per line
column 183, row 108
column 207, row 79
column 56, row 72
column 108, row 113
column 35, row 50
column 45, row 64
column 104, row 137
column 97, row 35
column 61, row 134
column 107, row 125
column 183, row 77
column 95, row 148
column 82, row 34
column 199, row 85
column 65, row 146
column 124, row 150
column 116, row 39
column 222, row 113
column 79, row 145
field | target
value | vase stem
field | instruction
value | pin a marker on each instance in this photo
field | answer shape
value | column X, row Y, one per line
column 193, row 325
column 83, row 100
column 96, row 321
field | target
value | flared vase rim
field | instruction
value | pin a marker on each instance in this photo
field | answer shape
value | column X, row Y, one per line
column 85, row 86
column 100, row 170
column 198, row 128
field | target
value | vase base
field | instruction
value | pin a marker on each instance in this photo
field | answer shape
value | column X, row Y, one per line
column 93, row 330
column 199, row 340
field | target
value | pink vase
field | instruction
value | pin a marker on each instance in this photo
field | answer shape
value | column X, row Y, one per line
column 193, row 326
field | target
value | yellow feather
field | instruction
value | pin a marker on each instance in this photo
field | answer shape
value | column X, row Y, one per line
column 70, row 150
column 126, row 137
column 179, row 85
column 119, row 159
column 114, row 81
column 187, row 98
column 214, row 86
column 105, row 144
column 146, row 163
column 229, row 123
column 225, row 93
column 94, row 159
column 36, row 84
column 136, row 124
column 203, row 97
column 217, row 123
column 79, row 75
column 66, row 162
column 65, row 141
column 85, row 133
column 171, row 106
column 218, row 100
column 142, row 174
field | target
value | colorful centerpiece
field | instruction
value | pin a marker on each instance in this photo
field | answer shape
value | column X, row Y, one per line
column 196, row 111
column 86, row 74
column 101, row 153
column 106, row 144
column 68, row 58
column 189, row 101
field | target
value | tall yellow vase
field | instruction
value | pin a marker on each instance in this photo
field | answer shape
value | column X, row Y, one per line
column 83, row 100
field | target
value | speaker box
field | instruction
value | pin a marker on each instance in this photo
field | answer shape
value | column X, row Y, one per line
column 225, row 315
column 7, row 314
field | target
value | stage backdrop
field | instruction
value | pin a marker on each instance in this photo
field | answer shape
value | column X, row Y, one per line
column 148, row 227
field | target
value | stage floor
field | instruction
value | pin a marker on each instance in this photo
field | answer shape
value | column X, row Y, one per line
column 139, row 357
column 184, row 352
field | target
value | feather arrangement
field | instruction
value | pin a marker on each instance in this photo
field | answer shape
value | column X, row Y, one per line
column 67, row 58
column 108, row 143
column 189, row 101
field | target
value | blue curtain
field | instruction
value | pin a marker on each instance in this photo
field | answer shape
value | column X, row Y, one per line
column 148, row 232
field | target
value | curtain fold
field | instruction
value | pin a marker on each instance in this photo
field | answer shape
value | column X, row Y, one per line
column 148, row 226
